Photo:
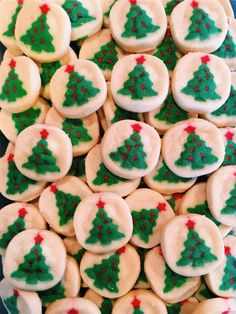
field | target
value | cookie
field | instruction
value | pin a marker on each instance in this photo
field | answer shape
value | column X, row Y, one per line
column 85, row 16
column 168, row 286
column 77, row 168
column 221, row 188
column 35, row 260
column 205, row 85
column 198, row 25
column 83, row 133
column 68, row 287
column 73, row 248
column 17, row 217
column 43, row 31
column 106, row 274
column 217, row 306
column 105, row 305
column 19, row 301
column 102, row 49
column 138, row 25
column 130, row 149
column 198, row 148
column 196, row 245
column 13, row 184
column 63, row 196
column 100, row 179
column 222, row 280
column 163, row 180
column 150, row 212
column 139, row 82
column 14, row 123
column 78, row 89
column 139, row 301
column 38, row 152
column 106, row 8
column 102, row 222
column 19, row 84
column 229, row 138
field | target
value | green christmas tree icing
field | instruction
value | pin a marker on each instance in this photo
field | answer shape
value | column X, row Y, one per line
column 202, row 27
column 10, row 32
column 16, row 227
column 76, row 131
column 77, row 13
column 142, row 276
column 79, row 90
column 48, row 70
column 164, row 174
column 167, row 51
column 66, row 204
column 227, row 49
column 170, row 112
column 104, row 176
column 174, row 308
column 230, row 205
column 139, row 84
column 202, row 86
column 230, row 150
column 121, row 114
column 55, row 293
column 11, row 303
column 202, row 209
column 78, row 255
column 42, row 160
column 229, row 277
column 171, row 5
column 16, row 181
column 12, row 88
column 78, row 167
column 136, row 306
column 38, row 37
column 107, row 56
column 196, row 153
column 34, row 269
column 107, row 13
column 138, row 24
column 196, row 253
column 229, row 107
column 106, row 306
column 26, row 118
column 131, row 154
column 172, row 280
column 104, row 231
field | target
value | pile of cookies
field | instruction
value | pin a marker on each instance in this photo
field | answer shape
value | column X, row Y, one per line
column 121, row 163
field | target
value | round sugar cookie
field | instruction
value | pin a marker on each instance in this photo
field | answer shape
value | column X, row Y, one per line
column 43, row 152
column 106, row 274
column 68, row 287
column 17, row 217
column 216, row 306
column 138, row 25
column 19, row 301
column 139, row 82
column 105, row 305
column 201, row 82
column 19, row 84
column 142, row 282
column 226, row 4
column 130, row 149
column 221, row 189
column 83, row 133
column 196, row 245
column 73, row 306
column 77, row 168
column 78, row 89
column 102, row 49
column 222, row 280
column 225, row 116
column 229, row 138
column 62, row 197
column 102, row 222
column 11, row 124
column 150, row 212
column 139, row 301
column 100, row 179
column 168, row 286
column 13, row 184
column 163, row 180
column 198, row 148
column 43, row 31
column 35, row 260
column 85, row 16
column 106, row 8
column 198, row 25
column 73, row 248
column 195, row 202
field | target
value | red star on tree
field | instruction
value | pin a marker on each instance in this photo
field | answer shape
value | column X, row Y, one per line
column 100, row 204
column 136, row 127
column 16, row 292
column 44, row 133
column 20, row 1
column 72, row 311
column 177, row 196
column 12, row 64
column 53, row 188
column 205, row 59
column 140, row 60
column 10, row 158
column 190, row 224
column 229, row 135
column 38, row 239
column 133, row 2
column 235, row 174
column 22, row 212
column 44, row 9
column 226, row 312
column 161, row 207
column 121, row 250
column 227, row 250
column 194, row 4
column 136, row 303
column 190, row 129
column 69, row 68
